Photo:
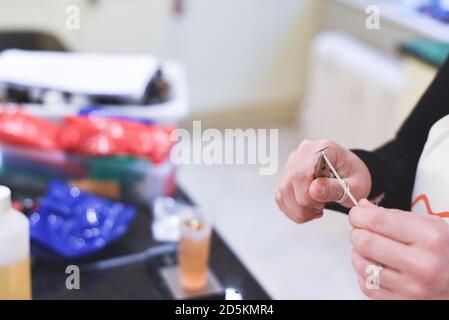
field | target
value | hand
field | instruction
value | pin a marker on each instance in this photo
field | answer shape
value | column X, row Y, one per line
column 302, row 198
column 412, row 249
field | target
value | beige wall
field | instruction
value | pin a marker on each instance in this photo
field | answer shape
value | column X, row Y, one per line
column 244, row 54
column 131, row 26
column 45, row 15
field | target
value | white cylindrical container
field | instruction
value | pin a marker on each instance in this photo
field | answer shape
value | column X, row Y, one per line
column 15, row 270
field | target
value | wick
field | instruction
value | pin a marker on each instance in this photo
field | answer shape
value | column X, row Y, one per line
column 195, row 224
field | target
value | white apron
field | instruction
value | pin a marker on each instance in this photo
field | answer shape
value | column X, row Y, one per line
column 431, row 189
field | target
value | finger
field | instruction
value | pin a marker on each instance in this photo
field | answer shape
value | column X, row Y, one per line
column 388, row 278
column 326, row 190
column 376, row 294
column 294, row 211
column 280, row 202
column 301, row 192
column 302, row 179
column 394, row 224
column 390, row 253
column 366, row 204
column 401, row 284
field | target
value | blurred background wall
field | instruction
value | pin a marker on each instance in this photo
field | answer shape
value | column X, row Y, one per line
column 240, row 55
column 247, row 61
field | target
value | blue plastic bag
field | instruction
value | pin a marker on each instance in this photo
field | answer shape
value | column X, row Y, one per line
column 438, row 9
column 74, row 223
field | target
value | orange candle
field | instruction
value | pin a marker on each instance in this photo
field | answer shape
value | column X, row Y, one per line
column 193, row 258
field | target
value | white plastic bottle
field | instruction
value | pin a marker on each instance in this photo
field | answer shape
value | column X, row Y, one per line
column 15, row 270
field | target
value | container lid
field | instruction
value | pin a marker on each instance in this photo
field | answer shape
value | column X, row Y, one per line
column 5, row 199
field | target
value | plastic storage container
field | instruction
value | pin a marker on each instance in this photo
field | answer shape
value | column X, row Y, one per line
column 15, row 271
column 139, row 180
column 169, row 112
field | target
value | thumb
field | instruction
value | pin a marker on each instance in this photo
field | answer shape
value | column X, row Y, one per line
column 326, row 190
column 366, row 204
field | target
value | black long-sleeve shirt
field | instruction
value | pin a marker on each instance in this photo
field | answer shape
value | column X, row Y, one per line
column 393, row 166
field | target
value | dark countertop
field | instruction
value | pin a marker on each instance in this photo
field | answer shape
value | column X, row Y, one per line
column 140, row 280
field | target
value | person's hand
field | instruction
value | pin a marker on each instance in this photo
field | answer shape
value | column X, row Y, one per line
column 413, row 251
column 302, row 198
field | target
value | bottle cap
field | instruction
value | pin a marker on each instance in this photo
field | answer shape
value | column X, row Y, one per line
column 5, row 199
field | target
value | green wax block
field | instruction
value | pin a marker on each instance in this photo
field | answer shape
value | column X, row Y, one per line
column 433, row 52
column 123, row 169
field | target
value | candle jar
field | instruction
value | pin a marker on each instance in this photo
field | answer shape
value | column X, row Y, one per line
column 193, row 255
